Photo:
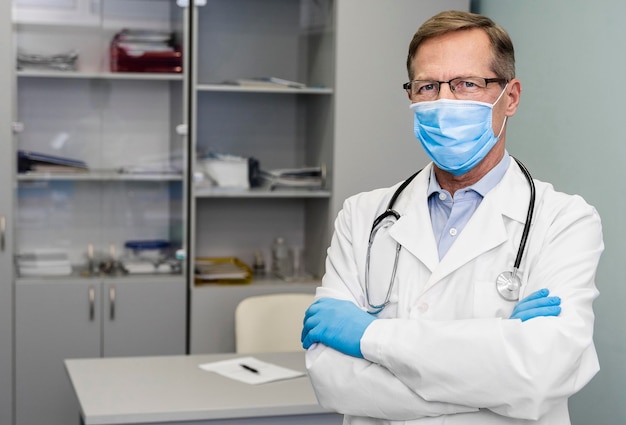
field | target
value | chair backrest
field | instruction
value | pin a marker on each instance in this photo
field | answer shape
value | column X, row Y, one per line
column 272, row 322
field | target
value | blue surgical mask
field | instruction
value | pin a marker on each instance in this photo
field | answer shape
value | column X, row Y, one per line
column 456, row 134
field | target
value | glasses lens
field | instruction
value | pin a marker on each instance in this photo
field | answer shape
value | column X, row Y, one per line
column 467, row 86
column 424, row 89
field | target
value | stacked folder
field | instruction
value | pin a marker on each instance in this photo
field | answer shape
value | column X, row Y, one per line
column 42, row 163
column 304, row 177
column 44, row 263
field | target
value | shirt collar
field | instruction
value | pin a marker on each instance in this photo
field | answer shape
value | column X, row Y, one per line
column 482, row 186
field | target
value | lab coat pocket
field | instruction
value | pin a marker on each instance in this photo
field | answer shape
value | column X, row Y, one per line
column 489, row 303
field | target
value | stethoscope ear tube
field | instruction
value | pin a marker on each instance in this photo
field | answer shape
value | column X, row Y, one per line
column 529, row 214
column 389, row 212
column 380, row 219
column 398, row 191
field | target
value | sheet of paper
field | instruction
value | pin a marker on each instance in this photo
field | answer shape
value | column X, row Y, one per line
column 250, row 370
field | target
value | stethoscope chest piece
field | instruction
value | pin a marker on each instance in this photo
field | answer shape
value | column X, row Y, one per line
column 508, row 285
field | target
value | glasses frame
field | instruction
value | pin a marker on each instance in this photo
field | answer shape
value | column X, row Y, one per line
column 407, row 86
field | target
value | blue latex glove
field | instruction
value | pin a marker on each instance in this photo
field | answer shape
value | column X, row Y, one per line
column 537, row 304
column 338, row 324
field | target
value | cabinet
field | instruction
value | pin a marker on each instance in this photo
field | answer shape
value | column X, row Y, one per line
column 60, row 320
column 80, row 291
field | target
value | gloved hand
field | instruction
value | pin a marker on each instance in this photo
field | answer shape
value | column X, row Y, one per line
column 338, row 324
column 537, row 304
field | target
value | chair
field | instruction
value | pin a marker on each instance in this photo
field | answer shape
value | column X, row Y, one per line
column 273, row 322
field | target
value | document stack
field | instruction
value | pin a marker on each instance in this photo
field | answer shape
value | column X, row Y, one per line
column 43, row 163
column 226, row 270
column 291, row 178
column 57, row 62
column 44, row 263
column 266, row 82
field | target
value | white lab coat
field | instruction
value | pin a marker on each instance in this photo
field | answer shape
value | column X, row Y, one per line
column 452, row 356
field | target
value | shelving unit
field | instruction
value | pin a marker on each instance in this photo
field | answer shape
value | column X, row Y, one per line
column 280, row 127
column 112, row 122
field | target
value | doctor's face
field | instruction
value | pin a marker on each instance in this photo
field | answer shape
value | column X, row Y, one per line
column 465, row 53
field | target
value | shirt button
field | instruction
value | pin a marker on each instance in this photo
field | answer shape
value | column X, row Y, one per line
column 423, row 307
column 453, row 232
column 442, row 196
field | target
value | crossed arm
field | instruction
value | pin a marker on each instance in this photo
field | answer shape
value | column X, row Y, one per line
column 340, row 324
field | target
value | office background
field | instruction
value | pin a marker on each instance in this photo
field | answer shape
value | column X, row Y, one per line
column 569, row 130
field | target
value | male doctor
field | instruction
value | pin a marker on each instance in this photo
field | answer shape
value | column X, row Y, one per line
column 433, row 339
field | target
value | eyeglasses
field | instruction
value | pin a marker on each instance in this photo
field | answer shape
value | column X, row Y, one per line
column 462, row 87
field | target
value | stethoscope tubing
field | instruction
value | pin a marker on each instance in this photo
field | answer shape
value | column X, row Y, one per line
column 389, row 211
column 529, row 214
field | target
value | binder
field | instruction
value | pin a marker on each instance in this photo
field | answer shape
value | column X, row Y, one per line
column 39, row 162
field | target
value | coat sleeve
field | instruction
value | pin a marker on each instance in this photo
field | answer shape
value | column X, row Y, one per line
column 513, row 368
column 356, row 386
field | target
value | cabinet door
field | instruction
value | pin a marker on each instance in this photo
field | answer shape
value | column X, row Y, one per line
column 144, row 317
column 101, row 139
column 54, row 321
column 213, row 308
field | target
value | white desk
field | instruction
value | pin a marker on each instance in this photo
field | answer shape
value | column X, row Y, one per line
column 173, row 389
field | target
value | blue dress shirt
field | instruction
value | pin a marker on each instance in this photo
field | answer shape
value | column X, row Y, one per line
column 450, row 215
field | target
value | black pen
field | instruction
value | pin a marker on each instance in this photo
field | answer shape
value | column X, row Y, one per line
column 246, row 367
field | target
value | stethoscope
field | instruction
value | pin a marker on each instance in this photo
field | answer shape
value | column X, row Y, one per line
column 508, row 283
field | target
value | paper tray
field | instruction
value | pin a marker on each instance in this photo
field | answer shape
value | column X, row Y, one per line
column 224, row 270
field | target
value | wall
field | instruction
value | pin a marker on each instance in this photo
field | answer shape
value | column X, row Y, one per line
column 375, row 146
column 570, row 131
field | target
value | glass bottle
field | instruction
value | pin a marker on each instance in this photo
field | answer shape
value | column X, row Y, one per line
column 280, row 258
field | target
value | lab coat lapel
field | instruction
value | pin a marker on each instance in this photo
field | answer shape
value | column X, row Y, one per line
column 414, row 230
column 486, row 229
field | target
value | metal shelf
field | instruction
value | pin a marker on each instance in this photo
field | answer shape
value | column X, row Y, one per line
column 104, row 75
column 263, row 192
column 283, row 90
column 98, row 176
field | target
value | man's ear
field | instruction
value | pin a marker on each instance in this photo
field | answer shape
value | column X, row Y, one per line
column 514, row 94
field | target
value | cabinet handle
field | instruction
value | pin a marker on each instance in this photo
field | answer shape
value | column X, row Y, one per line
column 92, row 303
column 17, row 127
column 3, row 228
column 112, row 302
column 182, row 130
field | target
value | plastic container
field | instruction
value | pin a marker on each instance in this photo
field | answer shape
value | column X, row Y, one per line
column 153, row 251
column 281, row 264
